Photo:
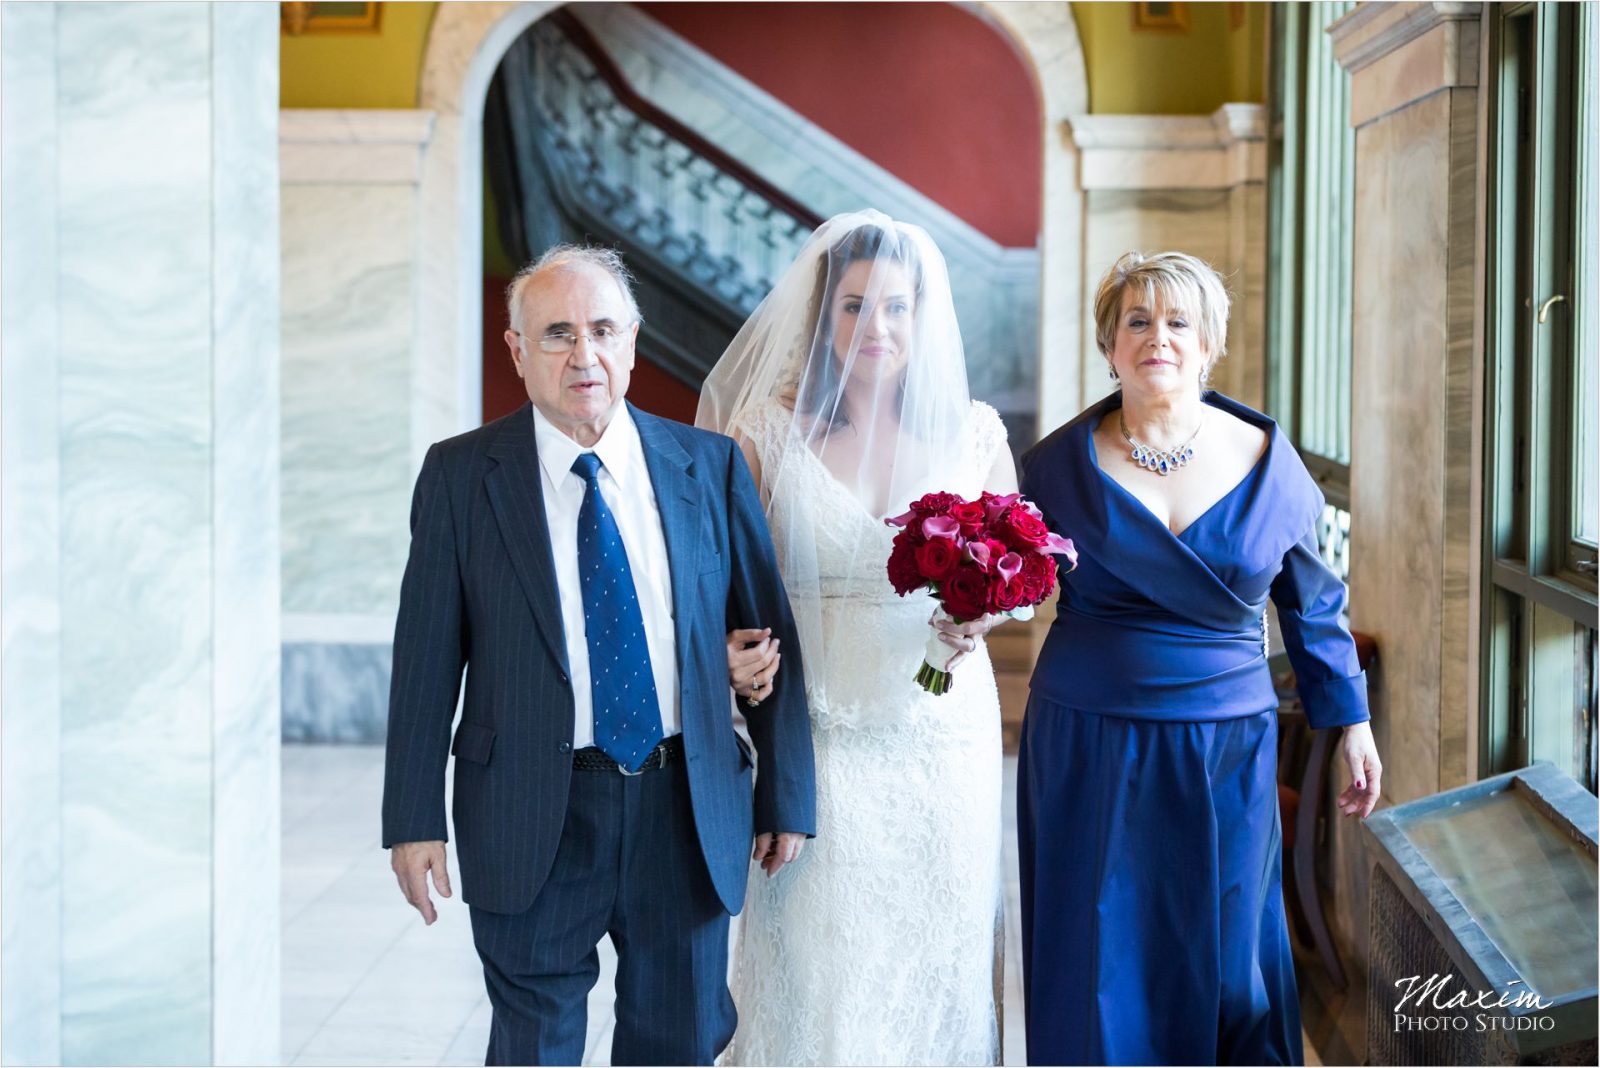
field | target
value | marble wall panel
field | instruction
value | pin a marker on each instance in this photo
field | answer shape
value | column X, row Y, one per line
column 336, row 691
column 348, row 273
column 145, row 384
column 1398, row 462
column 30, row 531
column 1462, row 426
column 135, row 302
column 1397, row 415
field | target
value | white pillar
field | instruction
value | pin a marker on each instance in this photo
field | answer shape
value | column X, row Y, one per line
column 140, row 546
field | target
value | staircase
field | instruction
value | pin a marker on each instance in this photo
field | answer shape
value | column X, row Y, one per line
column 576, row 154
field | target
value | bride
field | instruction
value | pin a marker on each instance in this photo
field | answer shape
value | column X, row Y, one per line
column 847, row 390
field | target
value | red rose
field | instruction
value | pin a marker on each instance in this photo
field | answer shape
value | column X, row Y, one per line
column 904, row 574
column 936, row 558
column 1021, row 529
column 934, row 503
column 1038, row 576
column 1006, row 596
column 965, row 593
column 970, row 515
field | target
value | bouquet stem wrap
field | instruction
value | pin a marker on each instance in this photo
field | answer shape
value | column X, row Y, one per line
column 934, row 674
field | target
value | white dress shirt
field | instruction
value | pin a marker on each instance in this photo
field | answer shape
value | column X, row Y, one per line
column 625, row 484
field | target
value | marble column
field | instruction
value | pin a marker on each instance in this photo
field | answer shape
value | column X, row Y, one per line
column 1191, row 183
column 140, row 549
column 1416, row 399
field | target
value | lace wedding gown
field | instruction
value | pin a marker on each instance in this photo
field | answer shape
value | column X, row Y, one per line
column 881, row 943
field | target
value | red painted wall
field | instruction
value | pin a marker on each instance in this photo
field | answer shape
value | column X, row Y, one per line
column 650, row 389
column 927, row 91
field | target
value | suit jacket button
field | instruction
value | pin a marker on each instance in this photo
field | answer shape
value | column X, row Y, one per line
column 566, row 747
column 564, row 679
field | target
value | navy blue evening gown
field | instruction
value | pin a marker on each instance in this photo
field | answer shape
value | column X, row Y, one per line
column 1152, row 913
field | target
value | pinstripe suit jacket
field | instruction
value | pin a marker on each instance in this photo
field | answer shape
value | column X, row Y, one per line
column 480, row 593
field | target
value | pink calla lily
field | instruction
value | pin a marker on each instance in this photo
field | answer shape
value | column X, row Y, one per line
column 1055, row 543
column 940, row 526
column 996, row 506
column 901, row 520
column 978, row 553
column 1009, row 567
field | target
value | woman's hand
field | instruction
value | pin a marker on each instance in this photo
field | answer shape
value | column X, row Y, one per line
column 751, row 670
column 1361, row 757
column 963, row 637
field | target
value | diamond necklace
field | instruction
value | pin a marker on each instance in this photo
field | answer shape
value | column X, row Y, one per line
column 1161, row 461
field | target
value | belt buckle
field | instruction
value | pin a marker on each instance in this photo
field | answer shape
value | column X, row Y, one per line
column 643, row 765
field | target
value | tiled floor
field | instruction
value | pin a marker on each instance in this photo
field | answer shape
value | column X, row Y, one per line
column 365, row 982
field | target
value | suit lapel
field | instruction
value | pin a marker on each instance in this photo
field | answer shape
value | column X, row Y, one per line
column 516, row 494
column 678, row 499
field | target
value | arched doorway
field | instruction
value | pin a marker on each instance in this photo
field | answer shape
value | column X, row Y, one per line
column 465, row 47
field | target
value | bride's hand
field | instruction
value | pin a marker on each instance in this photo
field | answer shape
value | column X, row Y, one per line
column 963, row 637
column 751, row 670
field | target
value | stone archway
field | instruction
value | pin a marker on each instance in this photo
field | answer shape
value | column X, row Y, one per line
column 464, row 48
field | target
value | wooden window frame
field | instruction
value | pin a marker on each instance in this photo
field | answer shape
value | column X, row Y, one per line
column 1538, row 673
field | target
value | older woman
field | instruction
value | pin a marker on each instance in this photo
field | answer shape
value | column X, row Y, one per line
column 1152, row 915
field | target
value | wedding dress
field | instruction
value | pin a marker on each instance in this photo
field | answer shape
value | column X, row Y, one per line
column 881, row 943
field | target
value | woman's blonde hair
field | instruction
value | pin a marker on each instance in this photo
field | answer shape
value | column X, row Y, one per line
column 1172, row 280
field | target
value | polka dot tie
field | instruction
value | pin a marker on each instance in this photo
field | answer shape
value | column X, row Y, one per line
column 627, row 714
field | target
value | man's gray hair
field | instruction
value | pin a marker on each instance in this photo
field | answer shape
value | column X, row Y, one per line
column 559, row 256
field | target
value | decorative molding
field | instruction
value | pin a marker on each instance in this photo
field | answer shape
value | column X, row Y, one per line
column 355, row 145
column 1398, row 54
column 1222, row 150
column 1372, row 31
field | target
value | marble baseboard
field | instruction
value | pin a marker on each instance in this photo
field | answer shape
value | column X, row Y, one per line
column 336, row 692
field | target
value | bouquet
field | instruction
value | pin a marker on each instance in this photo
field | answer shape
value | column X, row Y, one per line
column 990, row 555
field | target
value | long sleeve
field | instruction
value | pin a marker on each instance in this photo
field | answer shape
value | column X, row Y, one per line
column 785, row 792
column 1310, row 599
column 429, row 654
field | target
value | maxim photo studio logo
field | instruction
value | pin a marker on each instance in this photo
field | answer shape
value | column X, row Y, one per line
column 1433, row 1004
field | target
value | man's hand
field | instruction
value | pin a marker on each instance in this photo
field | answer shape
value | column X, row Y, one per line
column 412, row 861
column 776, row 850
column 753, row 660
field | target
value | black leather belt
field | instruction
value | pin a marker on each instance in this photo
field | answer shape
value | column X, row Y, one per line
column 593, row 758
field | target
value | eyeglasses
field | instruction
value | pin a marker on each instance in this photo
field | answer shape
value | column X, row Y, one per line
column 605, row 338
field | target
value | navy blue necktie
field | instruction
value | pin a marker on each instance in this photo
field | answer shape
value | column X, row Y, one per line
column 627, row 714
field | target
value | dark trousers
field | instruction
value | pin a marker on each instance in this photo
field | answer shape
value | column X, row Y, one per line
column 629, row 865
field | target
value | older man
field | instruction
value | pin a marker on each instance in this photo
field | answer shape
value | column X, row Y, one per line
column 586, row 559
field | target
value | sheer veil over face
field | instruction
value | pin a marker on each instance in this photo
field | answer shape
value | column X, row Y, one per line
column 859, row 340
column 853, row 362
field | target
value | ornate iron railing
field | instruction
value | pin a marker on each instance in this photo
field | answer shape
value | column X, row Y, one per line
column 644, row 176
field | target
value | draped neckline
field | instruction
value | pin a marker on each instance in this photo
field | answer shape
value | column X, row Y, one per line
column 1144, row 509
